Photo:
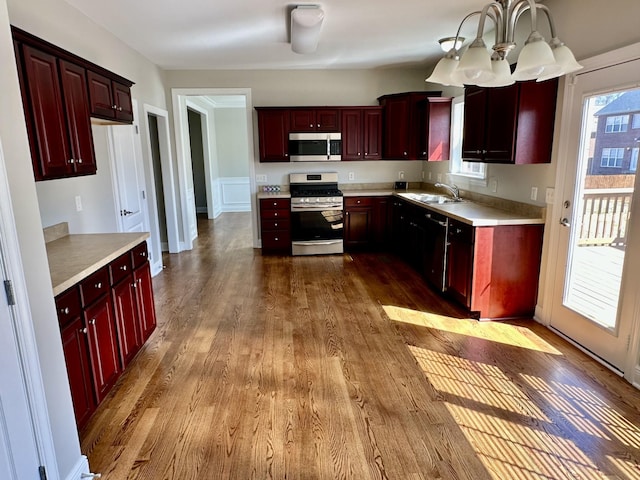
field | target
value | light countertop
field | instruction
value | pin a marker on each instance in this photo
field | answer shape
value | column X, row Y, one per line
column 72, row 258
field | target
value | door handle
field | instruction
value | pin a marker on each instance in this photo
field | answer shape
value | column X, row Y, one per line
column 126, row 212
column 565, row 222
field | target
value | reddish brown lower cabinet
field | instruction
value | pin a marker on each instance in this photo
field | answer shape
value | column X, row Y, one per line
column 76, row 355
column 493, row 271
column 103, row 345
column 275, row 225
column 145, row 305
column 366, row 222
column 125, row 305
column 105, row 319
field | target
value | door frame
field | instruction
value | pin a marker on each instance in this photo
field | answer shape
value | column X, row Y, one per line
column 168, row 179
column 205, row 123
column 178, row 96
column 555, row 212
column 25, row 339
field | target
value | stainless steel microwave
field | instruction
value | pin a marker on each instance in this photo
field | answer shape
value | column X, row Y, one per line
column 315, row 147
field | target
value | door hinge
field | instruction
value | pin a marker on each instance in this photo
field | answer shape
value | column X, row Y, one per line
column 8, row 288
column 43, row 472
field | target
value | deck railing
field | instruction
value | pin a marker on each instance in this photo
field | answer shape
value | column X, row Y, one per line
column 605, row 217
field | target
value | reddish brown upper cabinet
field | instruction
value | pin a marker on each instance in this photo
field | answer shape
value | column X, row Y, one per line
column 404, row 125
column 361, row 133
column 435, row 124
column 315, row 119
column 56, row 99
column 512, row 125
column 109, row 99
column 273, row 134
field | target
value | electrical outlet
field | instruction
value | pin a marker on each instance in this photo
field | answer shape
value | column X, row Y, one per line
column 493, row 185
column 352, row 176
column 78, row 203
column 400, row 175
column 439, row 177
column 261, row 178
column 550, row 195
column 534, row 193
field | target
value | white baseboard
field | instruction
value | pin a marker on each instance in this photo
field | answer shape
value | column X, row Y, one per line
column 81, row 466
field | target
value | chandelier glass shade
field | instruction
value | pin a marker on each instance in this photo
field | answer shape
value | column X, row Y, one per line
column 538, row 60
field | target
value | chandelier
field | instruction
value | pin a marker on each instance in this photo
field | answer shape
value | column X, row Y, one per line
column 538, row 60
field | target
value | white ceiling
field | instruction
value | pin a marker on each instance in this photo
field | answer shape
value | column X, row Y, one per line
column 253, row 34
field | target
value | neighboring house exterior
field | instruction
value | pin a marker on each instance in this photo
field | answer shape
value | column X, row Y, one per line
column 617, row 139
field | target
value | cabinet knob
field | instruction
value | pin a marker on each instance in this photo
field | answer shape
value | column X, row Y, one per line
column 134, row 285
column 92, row 321
column 318, row 125
column 83, row 330
column 276, row 239
column 275, row 224
column 98, row 285
column 119, row 109
column 143, row 254
column 65, row 310
column 359, row 153
column 114, row 107
column 275, row 214
column 275, row 204
column 311, row 126
column 286, row 154
column 458, row 230
column 358, row 201
column 72, row 161
column 123, row 268
column 79, row 160
column 405, row 154
column 140, row 281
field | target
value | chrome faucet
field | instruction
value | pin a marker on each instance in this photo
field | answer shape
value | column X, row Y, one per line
column 452, row 189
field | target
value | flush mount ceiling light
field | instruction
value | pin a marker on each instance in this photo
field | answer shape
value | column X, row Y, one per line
column 538, row 60
column 306, row 22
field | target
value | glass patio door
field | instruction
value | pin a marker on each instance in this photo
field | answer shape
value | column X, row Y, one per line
column 595, row 289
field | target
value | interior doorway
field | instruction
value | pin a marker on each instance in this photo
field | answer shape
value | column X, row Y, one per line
column 227, row 126
column 157, row 181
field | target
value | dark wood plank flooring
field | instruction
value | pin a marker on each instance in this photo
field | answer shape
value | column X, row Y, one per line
column 349, row 367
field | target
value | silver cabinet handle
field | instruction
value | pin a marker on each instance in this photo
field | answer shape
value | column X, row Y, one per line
column 565, row 222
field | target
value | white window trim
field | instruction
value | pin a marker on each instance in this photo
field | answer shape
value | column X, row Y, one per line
column 456, row 148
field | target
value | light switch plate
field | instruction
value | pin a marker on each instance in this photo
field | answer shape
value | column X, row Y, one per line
column 534, row 193
column 78, row 203
column 261, row 178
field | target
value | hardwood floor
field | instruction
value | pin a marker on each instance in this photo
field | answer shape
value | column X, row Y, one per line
column 349, row 367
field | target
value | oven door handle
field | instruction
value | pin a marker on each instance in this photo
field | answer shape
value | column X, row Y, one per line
column 316, row 242
column 316, row 208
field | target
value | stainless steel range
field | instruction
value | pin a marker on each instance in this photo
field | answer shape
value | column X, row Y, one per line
column 316, row 214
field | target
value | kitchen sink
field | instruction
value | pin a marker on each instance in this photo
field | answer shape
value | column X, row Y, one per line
column 429, row 198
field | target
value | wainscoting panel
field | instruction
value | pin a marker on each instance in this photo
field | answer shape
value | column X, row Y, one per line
column 235, row 194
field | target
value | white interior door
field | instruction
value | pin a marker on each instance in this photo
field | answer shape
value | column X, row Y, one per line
column 129, row 172
column 595, row 284
column 19, row 457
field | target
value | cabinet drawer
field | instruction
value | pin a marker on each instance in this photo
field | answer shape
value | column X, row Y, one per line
column 358, row 202
column 274, row 240
column 281, row 224
column 272, row 214
column 275, row 204
column 120, row 268
column 140, row 255
column 461, row 231
column 94, row 286
column 68, row 305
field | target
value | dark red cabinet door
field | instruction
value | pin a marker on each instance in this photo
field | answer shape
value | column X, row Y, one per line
column 103, row 345
column 358, row 227
column 327, row 120
column 273, row 131
column 303, row 120
column 460, row 262
column 53, row 157
column 125, row 306
column 76, row 102
column 100, row 95
column 122, row 102
column 500, row 125
column 436, row 133
column 372, row 133
column 352, row 138
column 396, row 130
column 475, row 101
column 76, row 356
column 144, row 299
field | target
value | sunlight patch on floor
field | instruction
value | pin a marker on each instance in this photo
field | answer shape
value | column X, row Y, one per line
column 509, row 432
column 498, row 332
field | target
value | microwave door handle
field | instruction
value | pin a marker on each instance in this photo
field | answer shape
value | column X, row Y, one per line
column 328, row 147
